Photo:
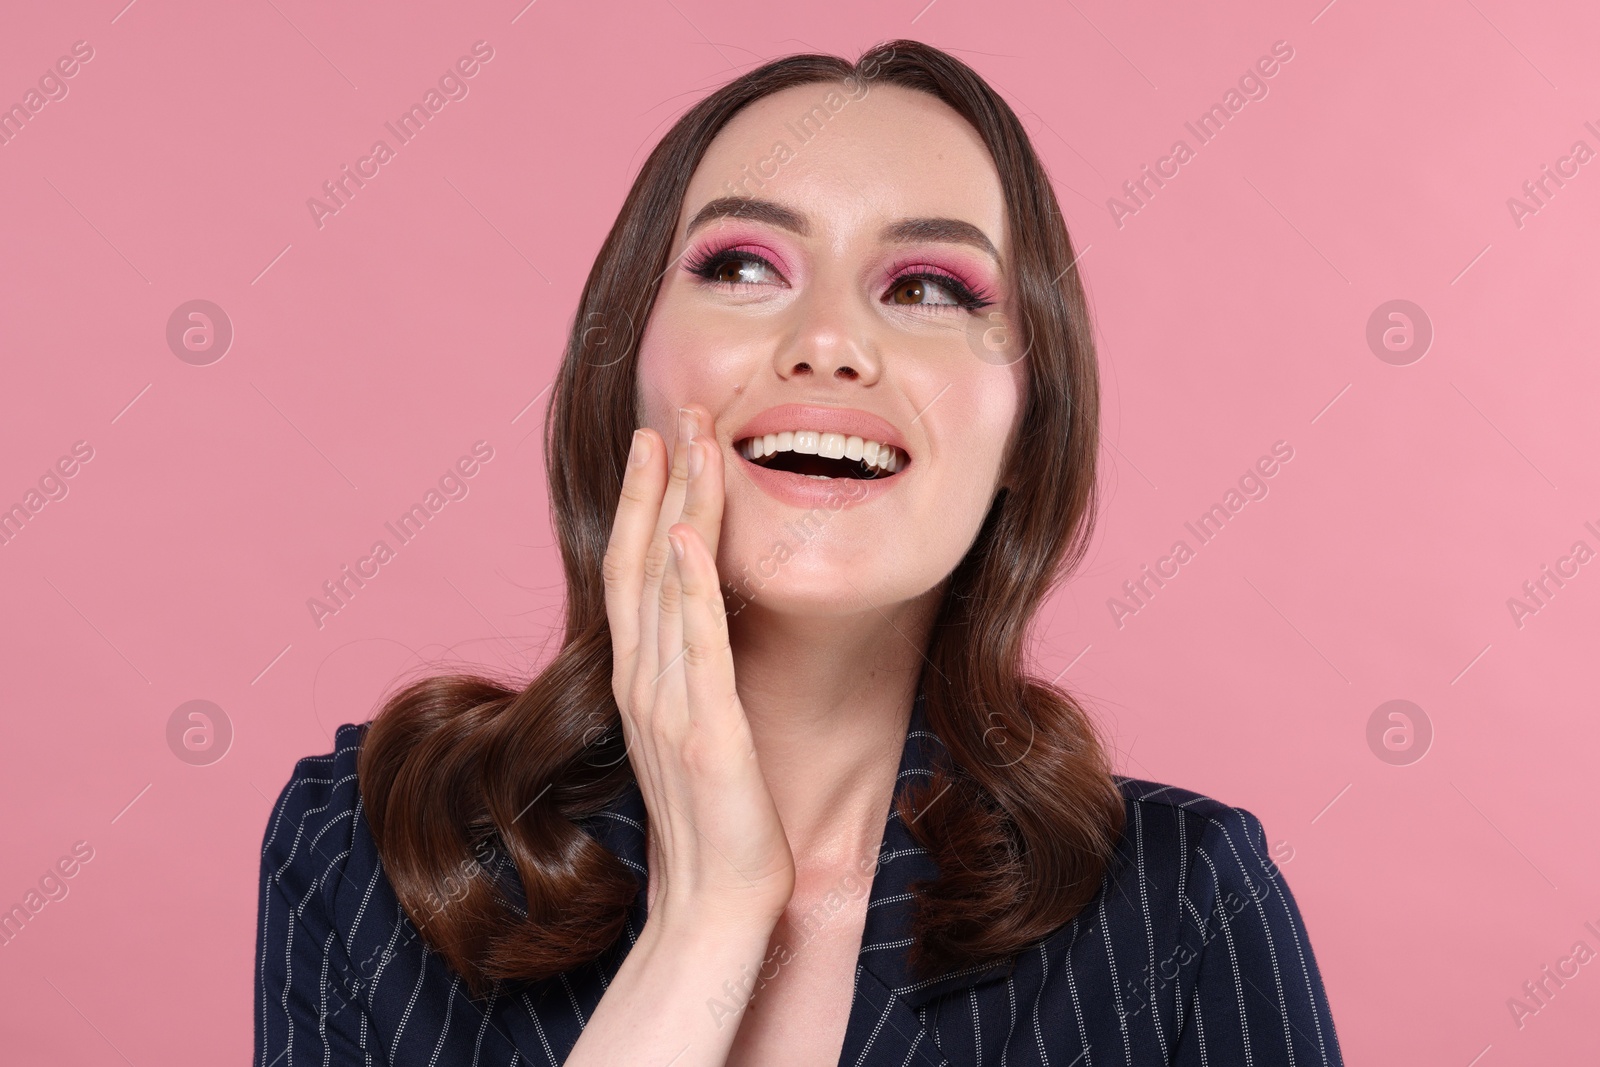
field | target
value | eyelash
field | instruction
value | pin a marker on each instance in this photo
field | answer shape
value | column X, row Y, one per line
column 966, row 297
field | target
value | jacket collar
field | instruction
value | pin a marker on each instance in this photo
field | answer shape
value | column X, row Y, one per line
column 887, row 935
column 902, row 862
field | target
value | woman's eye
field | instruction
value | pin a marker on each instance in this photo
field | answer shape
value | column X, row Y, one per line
column 733, row 268
column 915, row 289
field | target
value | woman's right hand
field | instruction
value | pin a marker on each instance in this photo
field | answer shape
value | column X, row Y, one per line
column 717, row 848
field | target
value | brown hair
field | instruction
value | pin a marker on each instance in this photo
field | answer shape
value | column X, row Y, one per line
column 453, row 762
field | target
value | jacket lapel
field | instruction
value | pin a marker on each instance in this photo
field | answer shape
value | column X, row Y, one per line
column 887, row 1014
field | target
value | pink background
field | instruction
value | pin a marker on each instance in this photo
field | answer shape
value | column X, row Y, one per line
column 429, row 314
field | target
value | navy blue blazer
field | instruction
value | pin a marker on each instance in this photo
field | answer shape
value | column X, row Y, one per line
column 1192, row 953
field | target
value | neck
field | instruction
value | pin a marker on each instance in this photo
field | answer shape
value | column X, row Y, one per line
column 828, row 701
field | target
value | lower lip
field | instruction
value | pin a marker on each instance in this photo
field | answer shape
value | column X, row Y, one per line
column 803, row 491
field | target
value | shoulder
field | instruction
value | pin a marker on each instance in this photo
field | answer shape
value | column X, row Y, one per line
column 1200, row 846
column 1206, row 824
column 1150, row 797
column 1201, row 939
column 314, row 825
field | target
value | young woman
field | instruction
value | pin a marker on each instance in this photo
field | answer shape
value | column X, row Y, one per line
column 823, row 439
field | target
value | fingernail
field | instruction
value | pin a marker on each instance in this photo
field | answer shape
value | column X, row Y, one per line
column 639, row 451
column 687, row 425
column 677, row 545
column 697, row 458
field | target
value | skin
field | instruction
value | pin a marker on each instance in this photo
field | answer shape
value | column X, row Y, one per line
column 767, row 741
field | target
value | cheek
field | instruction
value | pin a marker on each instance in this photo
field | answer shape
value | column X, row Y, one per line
column 684, row 357
column 977, row 411
column 976, row 415
column 664, row 377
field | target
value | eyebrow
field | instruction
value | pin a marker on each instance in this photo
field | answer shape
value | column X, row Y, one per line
column 902, row 231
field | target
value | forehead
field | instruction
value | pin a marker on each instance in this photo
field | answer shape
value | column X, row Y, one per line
column 851, row 163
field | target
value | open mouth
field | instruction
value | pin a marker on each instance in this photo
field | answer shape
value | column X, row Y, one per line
column 823, row 455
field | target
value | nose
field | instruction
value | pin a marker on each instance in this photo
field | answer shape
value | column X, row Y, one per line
column 831, row 340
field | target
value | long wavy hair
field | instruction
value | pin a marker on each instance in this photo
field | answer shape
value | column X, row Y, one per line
column 1030, row 812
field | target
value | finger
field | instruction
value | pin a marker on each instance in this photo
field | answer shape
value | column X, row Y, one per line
column 643, row 481
column 672, row 501
column 659, row 552
column 705, row 492
column 708, row 655
column 671, row 700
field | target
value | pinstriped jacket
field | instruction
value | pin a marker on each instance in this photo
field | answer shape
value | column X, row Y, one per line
column 1193, row 952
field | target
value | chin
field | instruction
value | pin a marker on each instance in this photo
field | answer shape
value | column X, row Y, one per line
column 769, row 573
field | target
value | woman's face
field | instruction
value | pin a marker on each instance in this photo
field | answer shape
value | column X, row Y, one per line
column 852, row 288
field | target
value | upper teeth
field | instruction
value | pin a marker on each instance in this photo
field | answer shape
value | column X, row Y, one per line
column 828, row 445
